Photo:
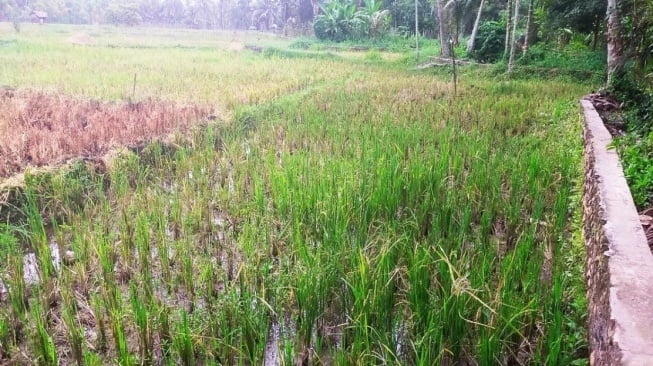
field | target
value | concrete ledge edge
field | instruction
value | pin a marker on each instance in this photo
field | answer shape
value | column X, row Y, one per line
column 620, row 263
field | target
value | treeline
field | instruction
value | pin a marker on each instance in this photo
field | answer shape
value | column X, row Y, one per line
column 343, row 17
column 493, row 29
column 203, row 14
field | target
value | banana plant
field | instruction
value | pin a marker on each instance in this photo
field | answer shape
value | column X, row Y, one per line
column 338, row 20
column 377, row 20
column 341, row 19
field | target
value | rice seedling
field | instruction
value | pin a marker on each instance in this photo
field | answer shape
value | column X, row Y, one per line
column 5, row 336
column 163, row 331
column 113, row 304
column 183, row 342
column 101, row 343
column 39, row 238
column 14, row 284
column 143, row 322
column 44, row 348
column 76, row 337
column 341, row 212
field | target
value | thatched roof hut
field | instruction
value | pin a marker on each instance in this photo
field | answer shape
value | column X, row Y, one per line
column 39, row 16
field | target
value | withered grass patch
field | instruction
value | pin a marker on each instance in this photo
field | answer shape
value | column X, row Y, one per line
column 41, row 128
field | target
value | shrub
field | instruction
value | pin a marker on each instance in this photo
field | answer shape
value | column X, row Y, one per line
column 637, row 158
column 637, row 100
column 123, row 15
column 490, row 40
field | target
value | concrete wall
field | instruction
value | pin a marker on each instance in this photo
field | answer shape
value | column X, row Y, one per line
column 619, row 262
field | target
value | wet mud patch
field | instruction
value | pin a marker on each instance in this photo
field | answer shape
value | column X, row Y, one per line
column 42, row 128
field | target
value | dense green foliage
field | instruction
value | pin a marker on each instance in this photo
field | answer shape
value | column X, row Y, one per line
column 490, row 42
column 580, row 16
column 633, row 87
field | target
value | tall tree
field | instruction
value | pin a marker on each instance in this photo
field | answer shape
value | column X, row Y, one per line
column 13, row 10
column 530, row 28
column 508, row 23
column 416, row 30
column 616, row 49
column 513, row 38
column 472, row 38
column 445, row 46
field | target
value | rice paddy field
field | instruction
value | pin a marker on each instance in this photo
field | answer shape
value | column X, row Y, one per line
column 315, row 208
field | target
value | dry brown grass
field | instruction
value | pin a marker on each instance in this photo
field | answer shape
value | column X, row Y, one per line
column 40, row 128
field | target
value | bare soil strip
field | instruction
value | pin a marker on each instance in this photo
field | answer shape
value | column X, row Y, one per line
column 41, row 128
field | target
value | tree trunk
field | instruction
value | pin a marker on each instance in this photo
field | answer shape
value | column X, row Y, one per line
column 511, row 61
column 595, row 33
column 529, row 27
column 452, row 16
column 456, row 30
column 472, row 38
column 506, row 49
column 616, row 56
column 445, row 47
column 221, row 14
column 416, row 31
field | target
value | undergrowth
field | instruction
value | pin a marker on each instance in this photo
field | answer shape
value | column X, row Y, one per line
column 636, row 146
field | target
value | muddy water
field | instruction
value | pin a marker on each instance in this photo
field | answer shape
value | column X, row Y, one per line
column 31, row 269
column 272, row 347
column 4, row 293
column 31, row 265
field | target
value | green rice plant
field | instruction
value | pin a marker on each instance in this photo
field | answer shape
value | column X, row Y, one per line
column 306, row 320
column 12, row 276
column 143, row 247
column 107, row 260
column 311, row 293
column 163, row 329
column 175, row 219
column 143, row 323
column 208, row 279
column 555, row 329
column 5, row 335
column 71, row 189
column 182, row 342
column 163, row 250
column 116, row 320
column 119, row 176
column 187, row 270
column 456, row 301
column 38, row 237
column 43, row 343
column 361, row 294
column 253, row 314
column 127, row 239
column 75, row 335
column 223, row 331
column 419, row 287
column 92, row 359
column 100, row 321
